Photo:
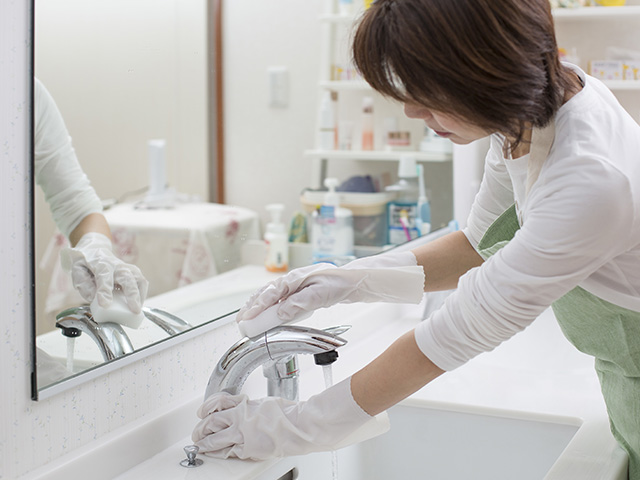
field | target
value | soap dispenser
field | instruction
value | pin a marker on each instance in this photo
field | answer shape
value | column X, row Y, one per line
column 332, row 228
column 276, row 241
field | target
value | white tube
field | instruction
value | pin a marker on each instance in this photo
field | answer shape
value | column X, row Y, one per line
column 157, row 167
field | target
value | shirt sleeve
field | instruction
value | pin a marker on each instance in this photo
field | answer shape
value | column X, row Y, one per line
column 494, row 196
column 577, row 219
column 66, row 188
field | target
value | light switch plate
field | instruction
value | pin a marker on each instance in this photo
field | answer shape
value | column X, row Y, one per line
column 278, row 87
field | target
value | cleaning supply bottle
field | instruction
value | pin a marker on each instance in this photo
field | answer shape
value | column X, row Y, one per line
column 276, row 241
column 423, row 214
column 332, row 228
column 327, row 131
column 367, row 123
column 403, row 210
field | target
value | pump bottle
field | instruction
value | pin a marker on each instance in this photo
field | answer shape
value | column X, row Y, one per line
column 332, row 229
column 276, row 241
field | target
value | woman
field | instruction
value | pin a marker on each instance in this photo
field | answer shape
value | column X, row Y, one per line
column 555, row 223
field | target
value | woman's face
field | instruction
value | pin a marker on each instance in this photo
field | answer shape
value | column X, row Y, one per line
column 445, row 125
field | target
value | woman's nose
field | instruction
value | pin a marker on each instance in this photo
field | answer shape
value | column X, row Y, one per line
column 412, row 110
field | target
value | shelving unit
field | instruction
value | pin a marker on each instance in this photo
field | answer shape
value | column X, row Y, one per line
column 332, row 21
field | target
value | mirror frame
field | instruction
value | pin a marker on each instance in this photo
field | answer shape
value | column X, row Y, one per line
column 216, row 195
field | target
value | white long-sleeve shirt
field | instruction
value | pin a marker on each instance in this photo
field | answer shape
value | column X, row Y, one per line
column 66, row 188
column 580, row 227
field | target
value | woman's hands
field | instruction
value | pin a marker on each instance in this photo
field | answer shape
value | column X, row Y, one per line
column 380, row 278
column 234, row 426
column 96, row 271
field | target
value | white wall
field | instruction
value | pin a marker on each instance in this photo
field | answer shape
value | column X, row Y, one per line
column 263, row 145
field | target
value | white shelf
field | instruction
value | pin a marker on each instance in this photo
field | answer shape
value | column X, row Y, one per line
column 560, row 13
column 597, row 12
column 622, row 84
column 377, row 155
column 345, row 85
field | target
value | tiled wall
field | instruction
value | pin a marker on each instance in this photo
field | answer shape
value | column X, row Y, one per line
column 35, row 433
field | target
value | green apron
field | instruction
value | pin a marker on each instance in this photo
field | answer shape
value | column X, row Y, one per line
column 606, row 331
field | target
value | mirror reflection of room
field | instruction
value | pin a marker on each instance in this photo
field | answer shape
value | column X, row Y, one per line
column 131, row 114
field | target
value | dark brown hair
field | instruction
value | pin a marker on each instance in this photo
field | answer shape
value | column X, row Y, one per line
column 492, row 62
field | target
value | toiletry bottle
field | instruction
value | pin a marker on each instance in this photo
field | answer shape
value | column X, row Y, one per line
column 403, row 210
column 276, row 241
column 345, row 7
column 332, row 228
column 423, row 215
column 367, row 123
column 327, row 122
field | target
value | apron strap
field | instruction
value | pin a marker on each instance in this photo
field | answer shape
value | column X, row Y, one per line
column 541, row 141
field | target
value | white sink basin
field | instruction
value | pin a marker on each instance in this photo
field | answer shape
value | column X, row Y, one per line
column 442, row 444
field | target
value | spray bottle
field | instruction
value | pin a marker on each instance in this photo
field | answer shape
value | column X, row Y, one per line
column 276, row 241
column 332, row 228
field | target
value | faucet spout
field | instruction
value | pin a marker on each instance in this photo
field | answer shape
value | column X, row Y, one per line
column 276, row 344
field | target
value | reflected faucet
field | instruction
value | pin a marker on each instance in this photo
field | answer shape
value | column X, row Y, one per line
column 111, row 339
column 275, row 350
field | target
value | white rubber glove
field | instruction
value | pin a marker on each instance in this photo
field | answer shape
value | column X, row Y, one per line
column 393, row 277
column 234, row 426
column 95, row 271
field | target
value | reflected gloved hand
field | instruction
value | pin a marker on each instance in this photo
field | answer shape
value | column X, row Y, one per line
column 393, row 277
column 95, row 271
column 234, row 426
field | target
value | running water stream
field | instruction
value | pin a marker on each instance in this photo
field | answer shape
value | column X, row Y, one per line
column 328, row 382
column 71, row 343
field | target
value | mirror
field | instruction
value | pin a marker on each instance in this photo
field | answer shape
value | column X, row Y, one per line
column 127, row 72
column 123, row 73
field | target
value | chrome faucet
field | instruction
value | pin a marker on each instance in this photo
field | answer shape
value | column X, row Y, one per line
column 111, row 339
column 276, row 351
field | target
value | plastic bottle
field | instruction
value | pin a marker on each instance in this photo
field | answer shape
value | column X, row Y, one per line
column 423, row 214
column 332, row 228
column 367, row 123
column 276, row 241
column 327, row 124
column 403, row 211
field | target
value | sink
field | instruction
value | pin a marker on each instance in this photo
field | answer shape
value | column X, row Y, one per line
column 439, row 444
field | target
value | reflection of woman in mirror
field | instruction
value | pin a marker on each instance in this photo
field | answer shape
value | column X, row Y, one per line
column 77, row 212
column 555, row 224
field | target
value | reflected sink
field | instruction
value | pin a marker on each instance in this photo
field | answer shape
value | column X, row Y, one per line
column 441, row 444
